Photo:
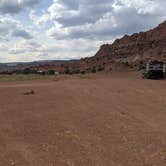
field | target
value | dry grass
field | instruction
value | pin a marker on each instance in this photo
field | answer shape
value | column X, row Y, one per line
column 21, row 77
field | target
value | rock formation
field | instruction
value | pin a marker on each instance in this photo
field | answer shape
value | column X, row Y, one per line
column 137, row 47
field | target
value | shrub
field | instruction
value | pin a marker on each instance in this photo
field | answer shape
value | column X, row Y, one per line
column 76, row 71
column 82, row 72
column 126, row 63
column 51, row 72
column 93, row 70
column 131, row 66
column 67, row 70
column 31, row 92
column 100, row 68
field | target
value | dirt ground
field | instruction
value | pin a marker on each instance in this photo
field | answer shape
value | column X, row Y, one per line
column 101, row 120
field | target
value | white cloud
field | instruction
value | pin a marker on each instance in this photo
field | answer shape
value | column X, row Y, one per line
column 24, row 46
column 39, row 20
column 142, row 6
column 103, row 19
column 3, row 47
column 10, row 27
column 71, row 28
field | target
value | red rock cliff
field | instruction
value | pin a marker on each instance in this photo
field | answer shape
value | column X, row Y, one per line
column 144, row 45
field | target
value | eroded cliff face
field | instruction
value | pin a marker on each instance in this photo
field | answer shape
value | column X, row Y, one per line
column 141, row 46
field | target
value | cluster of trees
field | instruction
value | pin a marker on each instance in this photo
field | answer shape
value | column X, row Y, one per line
column 21, row 71
column 27, row 71
column 67, row 70
column 93, row 69
column 130, row 65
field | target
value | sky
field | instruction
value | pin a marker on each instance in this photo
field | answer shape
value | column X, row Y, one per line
column 32, row 30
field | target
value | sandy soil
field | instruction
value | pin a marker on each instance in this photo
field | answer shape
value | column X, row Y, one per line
column 104, row 120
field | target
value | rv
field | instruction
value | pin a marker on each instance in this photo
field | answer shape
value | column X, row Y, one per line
column 154, row 70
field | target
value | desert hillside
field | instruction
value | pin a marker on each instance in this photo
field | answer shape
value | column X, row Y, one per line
column 138, row 47
column 131, row 50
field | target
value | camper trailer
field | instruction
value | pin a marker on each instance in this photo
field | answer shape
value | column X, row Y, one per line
column 154, row 70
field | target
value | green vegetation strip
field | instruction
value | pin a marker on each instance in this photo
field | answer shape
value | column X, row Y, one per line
column 21, row 77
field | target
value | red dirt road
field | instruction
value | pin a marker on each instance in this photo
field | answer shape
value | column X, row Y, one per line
column 106, row 120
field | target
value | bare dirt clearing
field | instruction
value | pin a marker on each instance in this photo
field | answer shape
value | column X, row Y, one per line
column 104, row 120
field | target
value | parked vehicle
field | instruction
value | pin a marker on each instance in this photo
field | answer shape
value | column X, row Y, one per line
column 154, row 70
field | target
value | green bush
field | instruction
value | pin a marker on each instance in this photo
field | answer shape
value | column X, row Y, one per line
column 82, row 72
column 93, row 70
column 51, row 72
column 100, row 68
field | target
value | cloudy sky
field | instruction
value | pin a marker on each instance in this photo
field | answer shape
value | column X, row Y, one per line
column 66, row 29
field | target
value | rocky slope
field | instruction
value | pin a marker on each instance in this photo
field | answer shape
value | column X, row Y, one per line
column 137, row 47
